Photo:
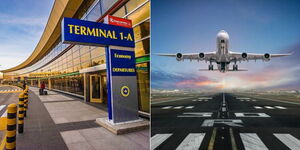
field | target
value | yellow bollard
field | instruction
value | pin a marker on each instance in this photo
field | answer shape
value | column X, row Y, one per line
column 21, row 113
column 25, row 102
column 11, row 127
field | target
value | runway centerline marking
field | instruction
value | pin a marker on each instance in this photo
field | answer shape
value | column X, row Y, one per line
column 257, row 107
column 177, row 107
column 167, row 107
column 252, row 142
column 157, row 139
column 269, row 107
column 289, row 140
column 191, row 142
column 280, row 107
column 189, row 107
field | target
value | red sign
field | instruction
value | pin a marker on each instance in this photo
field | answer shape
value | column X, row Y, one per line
column 112, row 20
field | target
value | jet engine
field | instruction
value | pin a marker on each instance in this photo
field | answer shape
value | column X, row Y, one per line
column 266, row 57
column 179, row 57
column 244, row 55
column 201, row 55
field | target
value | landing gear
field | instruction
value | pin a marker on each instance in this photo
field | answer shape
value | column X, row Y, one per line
column 210, row 67
column 235, row 67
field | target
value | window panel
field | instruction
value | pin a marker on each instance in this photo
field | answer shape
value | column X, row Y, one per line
column 106, row 4
column 85, row 57
column 132, row 4
column 120, row 13
column 142, row 30
column 98, row 52
column 95, row 13
column 140, row 14
column 84, row 49
column 142, row 47
column 75, row 54
column 76, row 61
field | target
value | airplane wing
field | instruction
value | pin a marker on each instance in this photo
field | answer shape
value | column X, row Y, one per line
column 206, row 56
column 237, row 56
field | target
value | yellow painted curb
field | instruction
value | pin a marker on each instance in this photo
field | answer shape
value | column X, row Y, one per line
column 3, row 123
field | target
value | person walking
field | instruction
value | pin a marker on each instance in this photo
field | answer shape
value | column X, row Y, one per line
column 42, row 88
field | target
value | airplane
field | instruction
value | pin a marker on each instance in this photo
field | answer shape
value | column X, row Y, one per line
column 223, row 57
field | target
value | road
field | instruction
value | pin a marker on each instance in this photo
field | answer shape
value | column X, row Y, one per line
column 8, row 95
column 225, row 122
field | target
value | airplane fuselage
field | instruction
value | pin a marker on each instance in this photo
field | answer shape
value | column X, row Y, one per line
column 222, row 53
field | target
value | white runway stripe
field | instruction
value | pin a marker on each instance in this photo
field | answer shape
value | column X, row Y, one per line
column 257, row 107
column 157, row 139
column 269, row 107
column 177, row 107
column 252, row 142
column 191, row 142
column 194, row 100
column 290, row 141
column 280, row 107
column 189, row 107
column 200, row 100
column 166, row 107
column 254, row 100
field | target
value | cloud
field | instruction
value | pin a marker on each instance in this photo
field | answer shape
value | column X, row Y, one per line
column 7, row 19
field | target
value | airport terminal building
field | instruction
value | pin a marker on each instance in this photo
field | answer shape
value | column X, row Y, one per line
column 81, row 70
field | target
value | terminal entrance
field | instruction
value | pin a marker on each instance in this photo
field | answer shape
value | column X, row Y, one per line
column 97, row 86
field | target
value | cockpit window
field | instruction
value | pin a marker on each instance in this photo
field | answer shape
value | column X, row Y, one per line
column 222, row 41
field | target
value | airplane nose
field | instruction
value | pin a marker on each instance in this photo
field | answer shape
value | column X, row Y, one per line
column 222, row 35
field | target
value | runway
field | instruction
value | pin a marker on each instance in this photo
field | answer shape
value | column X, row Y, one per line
column 225, row 122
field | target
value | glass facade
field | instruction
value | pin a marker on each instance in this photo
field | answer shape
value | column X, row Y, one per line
column 59, row 69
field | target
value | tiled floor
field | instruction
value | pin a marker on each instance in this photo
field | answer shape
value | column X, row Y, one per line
column 68, row 123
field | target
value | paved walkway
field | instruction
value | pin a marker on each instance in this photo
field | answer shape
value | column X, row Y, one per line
column 60, row 122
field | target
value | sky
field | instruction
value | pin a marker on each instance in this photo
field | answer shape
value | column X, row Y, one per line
column 254, row 26
column 21, row 26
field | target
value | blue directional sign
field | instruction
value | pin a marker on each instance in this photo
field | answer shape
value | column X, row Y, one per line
column 122, row 85
column 122, row 63
column 75, row 31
